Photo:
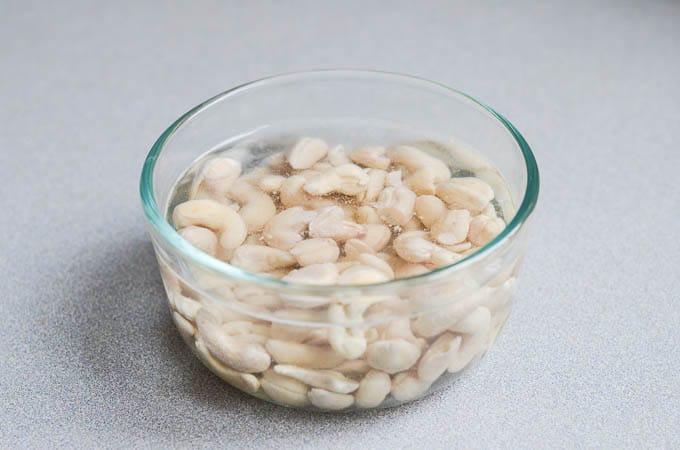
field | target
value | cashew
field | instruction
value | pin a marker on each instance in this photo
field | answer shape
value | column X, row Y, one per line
column 375, row 185
column 468, row 193
column 322, row 166
column 438, row 357
column 186, row 306
column 292, row 192
column 315, row 251
column 423, row 181
column 415, row 159
column 216, row 216
column 392, row 356
column 285, row 229
column 349, row 344
column 324, row 399
column 303, row 355
column 429, row 209
column 284, row 390
column 459, row 248
column 393, row 179
column 240, row 356
column 202, row 238
column 348, row 179
column 436, row 322
column 452, row 228
column 337, row 156
column 271, row 183
column 245, row 381
column 260, row 258
column 395, row 205
column 415, row 248
column 407, row 386
column 281, row 331
column 414, row 224
column 353, row 368
column 257, row 296
column 376, row 236
column 362, row 274
column 325, row 379
column 186, row 328
column 377, row 263
column 410, row 270
column 475, row 329
column 306, row 152
column 354, row 247
column 373, row 157
column 490, row 211
column 216, row 177
column 373, row 389
column 256, row 206
column 367, row 215
column 321, row 274
column 329, row 223
column 483, row 229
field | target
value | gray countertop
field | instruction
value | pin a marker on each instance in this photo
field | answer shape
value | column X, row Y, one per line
column 590, row 357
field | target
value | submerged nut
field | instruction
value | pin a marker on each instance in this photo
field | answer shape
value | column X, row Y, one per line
column 324, row 379
column 452, row 228
column 303, row 355
column 216, row 216
column 315, row 251
column 216, row 178
column 392, row 356
column 438, row 357
column 468, row 193
column 373, row 157
column 395, row 205
column 285, row 229
column 484, row 228
column 306, row 152
column 260, row 258
column 284, row 390
column 415, row 159
column 324, row 399
column 256, row 206
column 373, row 389
column 348, row 179
column 202, row 238
column 429, row 209
column 475, row 329
column 242, row 356
column 330, row 223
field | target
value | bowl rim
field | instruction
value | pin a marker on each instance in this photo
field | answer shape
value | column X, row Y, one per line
column 172, row 237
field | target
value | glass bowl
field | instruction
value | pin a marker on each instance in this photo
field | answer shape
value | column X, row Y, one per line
column 343, row 347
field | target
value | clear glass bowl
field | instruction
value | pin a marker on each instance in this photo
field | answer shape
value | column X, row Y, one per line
column 366, row 346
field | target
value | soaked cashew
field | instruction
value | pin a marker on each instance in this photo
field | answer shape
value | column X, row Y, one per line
column 354, row 247
column 241, row 356
column 271, row 183
column 374, row 186
column 324, row 399
column 329, row 223
column 348, row 179
column 303, row 355
column 395, row 205
column 376, row 236
column 315, row 251
column 260, row 258
column 367, row 215
column 484, row 228
column 373, row 389
column 373, row 157
column 438, row 357
column 414, row 247
column 475, row 329
column 337, row 156
column 216, row 178
column 245, row 381
column 324, row 379
column 415, row 159
column 306, row 152
column 452, row 228
column 407, row 386
column 468, row 193
column 216, row 216
column 284, row 389
column 392, row 356
column 256, row 206
column 285, row 229
column 348, row 343
column 362, row 274
column 429, row 209
column 202, row 238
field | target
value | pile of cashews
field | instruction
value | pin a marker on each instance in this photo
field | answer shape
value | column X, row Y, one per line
column 320, row 215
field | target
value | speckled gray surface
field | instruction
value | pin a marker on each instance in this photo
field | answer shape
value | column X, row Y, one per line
column 590, row 357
